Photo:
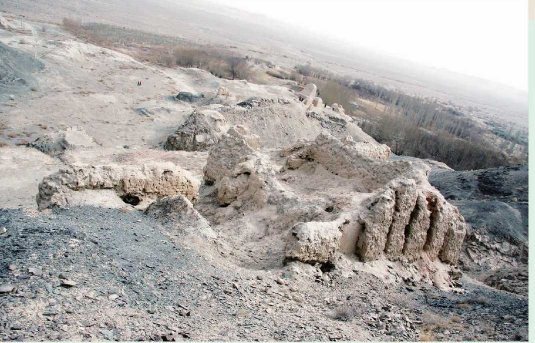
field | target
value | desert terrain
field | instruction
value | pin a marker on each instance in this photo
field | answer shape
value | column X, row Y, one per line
column 140, row 201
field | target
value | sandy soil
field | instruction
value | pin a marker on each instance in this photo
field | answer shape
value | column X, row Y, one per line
column 137, row 279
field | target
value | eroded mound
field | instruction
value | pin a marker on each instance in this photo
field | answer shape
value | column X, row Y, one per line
column 279, row 121
column 177, row 212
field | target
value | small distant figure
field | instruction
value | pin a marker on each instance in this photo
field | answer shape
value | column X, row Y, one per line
column 139, row 83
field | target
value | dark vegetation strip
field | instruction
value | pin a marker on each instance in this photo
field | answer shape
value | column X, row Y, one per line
column 165, row 50
column 410, row 125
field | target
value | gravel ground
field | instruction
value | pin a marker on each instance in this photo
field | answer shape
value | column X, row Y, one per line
column 97, row 274
column 131, row 282
column 16, row 70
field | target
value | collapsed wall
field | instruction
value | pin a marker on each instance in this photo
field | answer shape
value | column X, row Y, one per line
column 393, row 211
column 115, row 185
column 402, row 215
column 402, row 220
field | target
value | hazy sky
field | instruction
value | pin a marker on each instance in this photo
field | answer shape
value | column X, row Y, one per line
column 484, row 38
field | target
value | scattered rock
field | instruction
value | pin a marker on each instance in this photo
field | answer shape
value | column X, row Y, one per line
column 6, row 288
column 514, row 280
column 144, row 111
column 262, row 102
column 35, row 271
column 68, row 283
column 16, row 69
column 497, row 234
column 189, row 97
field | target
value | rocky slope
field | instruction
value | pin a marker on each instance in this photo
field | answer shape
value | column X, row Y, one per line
column 494, row 203
column 96, row 274
column 16, row 71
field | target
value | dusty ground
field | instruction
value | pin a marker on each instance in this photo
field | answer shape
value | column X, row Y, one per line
column 135, row 278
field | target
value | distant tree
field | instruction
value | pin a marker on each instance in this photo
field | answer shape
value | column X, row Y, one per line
column 238, row 68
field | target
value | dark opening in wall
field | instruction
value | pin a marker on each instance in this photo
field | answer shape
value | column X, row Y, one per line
column 131, row 199
column 327, row 267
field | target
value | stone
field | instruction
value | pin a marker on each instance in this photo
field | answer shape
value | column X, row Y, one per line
column 68, row 283
column 189, row 97
column 108, row 334
column 314, row 241
column 55, row 143
column 35, row 271
column 513, row 280
column 200, row 131
column 144, row 111
column 6, row 288
column 233, row 147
